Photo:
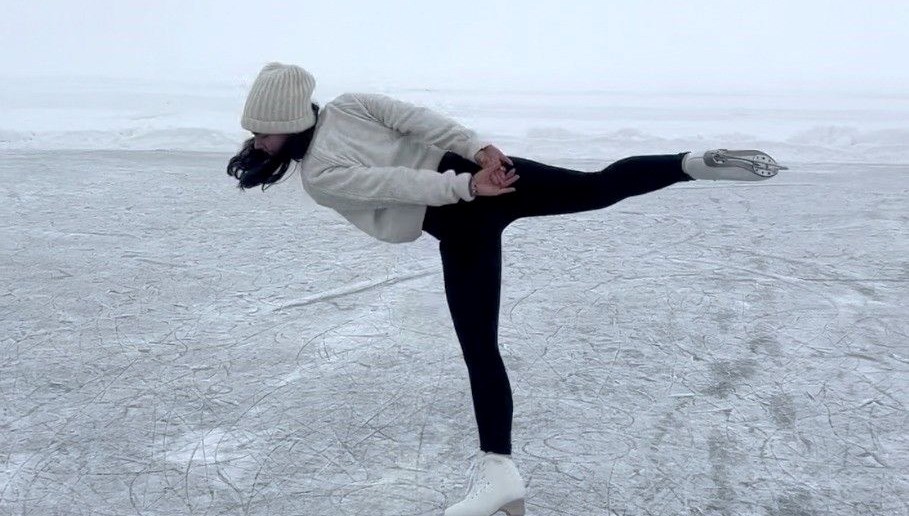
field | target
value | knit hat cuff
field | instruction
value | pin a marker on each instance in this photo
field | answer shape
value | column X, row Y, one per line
column 279, row 127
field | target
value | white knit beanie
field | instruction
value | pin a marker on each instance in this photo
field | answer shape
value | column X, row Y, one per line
column 279, row 101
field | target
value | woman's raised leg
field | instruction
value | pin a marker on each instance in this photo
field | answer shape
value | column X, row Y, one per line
column 547, row 190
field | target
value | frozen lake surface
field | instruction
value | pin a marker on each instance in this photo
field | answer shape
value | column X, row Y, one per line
column 171, row 345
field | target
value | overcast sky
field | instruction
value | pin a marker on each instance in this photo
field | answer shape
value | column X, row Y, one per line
column 529, row 44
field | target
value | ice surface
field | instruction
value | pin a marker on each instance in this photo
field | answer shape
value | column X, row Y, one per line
column 171, row 345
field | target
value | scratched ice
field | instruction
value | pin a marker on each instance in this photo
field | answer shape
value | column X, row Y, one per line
column 173, row 346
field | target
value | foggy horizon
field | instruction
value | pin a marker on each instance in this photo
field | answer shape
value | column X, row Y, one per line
column 529, row 46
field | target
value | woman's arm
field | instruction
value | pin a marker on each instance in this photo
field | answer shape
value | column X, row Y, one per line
column 360, row 187
column 424, row 123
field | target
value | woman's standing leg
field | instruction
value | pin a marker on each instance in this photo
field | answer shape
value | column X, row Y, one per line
column 472, row 269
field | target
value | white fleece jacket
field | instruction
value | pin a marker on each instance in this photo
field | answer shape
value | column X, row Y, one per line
column 374, row 160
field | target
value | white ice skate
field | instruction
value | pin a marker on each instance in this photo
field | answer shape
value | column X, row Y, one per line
column 495, row 485
column 736, row 165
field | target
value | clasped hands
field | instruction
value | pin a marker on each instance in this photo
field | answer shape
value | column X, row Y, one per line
column 497, row 174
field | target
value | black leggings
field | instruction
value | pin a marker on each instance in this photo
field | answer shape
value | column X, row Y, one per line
column 470, row 242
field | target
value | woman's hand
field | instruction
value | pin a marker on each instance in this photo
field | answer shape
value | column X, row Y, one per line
column 490, row 156
column 492, row 181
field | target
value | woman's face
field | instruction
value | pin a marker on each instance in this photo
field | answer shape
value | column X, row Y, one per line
column 270, row 143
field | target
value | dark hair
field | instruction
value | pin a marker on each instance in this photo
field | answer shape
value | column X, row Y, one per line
column 253, row 167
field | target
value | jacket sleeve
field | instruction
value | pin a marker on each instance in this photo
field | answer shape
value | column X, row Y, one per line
column 423, row 123
column 360, row 187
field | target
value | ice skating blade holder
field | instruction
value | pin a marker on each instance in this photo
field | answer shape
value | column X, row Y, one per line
column 754, row 160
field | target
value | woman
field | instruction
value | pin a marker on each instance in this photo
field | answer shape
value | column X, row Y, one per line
column 395, row 170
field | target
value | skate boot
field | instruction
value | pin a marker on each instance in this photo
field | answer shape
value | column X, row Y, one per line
column 736, row 165
column 495, row 485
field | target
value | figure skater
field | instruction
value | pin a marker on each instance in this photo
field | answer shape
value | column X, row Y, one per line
column 395, row 170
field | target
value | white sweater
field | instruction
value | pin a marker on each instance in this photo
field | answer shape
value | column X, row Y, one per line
column 374, row 160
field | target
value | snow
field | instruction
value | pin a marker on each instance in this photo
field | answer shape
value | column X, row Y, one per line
column 171, row 345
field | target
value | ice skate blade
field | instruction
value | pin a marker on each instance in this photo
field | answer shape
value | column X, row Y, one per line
column 515, row 508
column 758, row 162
